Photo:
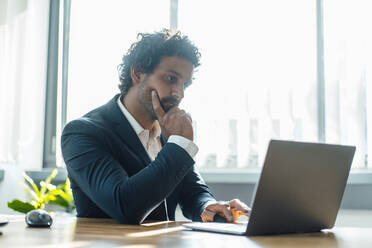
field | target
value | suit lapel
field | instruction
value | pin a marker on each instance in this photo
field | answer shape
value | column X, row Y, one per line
column 126, row 132
column 129, row 136
column 162, row 140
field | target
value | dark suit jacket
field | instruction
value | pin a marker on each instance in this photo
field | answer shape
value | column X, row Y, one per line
column 112, row 175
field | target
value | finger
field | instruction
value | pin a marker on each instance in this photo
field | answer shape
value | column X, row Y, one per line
column 159, row 111
column 236, row 203
column 239, row 206
column 237, row 214
column 227, row 214
column 223, row 210
column 172, row 110
column 208, row 215
column 172, row 114
column 189, row 117
column 182, row 112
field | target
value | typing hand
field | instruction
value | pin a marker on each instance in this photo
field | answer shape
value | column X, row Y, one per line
column 231, row 211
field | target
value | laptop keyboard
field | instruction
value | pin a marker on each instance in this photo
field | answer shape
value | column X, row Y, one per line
column 227, row 226
column 222, row 227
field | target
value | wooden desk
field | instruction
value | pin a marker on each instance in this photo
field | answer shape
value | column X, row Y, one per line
column 74, row 232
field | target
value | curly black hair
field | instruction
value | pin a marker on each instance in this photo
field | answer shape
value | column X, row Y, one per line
column 146, row 53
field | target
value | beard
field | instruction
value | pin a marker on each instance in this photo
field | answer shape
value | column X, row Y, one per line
column 145, row 99
column 168, row 102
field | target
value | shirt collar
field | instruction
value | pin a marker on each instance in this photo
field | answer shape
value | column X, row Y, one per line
column 136, row 126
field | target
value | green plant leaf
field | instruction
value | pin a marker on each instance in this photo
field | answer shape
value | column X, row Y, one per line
column 57, row 192
column 49, row 186
column 60, row 201
column 47, row 194
column 66, row 192
column 51, row 176
column 67, row 184
column 47, row 181
column 20, row 206
column 49, row 198
column 31, row 192
column 31, row 182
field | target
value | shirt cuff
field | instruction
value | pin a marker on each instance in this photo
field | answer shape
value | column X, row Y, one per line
column 190, row 147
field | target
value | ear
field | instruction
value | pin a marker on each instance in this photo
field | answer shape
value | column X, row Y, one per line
column 135, row 74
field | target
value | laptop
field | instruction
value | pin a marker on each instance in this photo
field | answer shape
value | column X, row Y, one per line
column 300, row 190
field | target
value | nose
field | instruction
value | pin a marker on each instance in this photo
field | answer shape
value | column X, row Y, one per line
column 178, row 93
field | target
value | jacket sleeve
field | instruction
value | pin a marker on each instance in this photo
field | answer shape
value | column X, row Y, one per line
column 127, row 199
column 194, row 195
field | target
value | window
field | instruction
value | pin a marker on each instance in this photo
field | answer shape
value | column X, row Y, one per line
column 23, row 63
column 258, row 79
column 348, row 70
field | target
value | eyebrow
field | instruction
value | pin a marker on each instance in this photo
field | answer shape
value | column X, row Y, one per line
column 175, row 72
column 179, row 74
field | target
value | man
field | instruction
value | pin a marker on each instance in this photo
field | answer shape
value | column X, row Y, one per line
column 132, row 158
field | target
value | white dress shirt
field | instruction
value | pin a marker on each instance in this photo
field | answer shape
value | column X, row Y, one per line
column 150, row 139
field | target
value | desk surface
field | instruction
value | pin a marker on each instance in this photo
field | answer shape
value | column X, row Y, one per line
column 68, row 231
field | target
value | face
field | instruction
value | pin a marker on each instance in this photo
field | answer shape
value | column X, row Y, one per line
column 169, row 79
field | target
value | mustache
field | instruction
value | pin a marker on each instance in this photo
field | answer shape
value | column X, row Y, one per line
column 168, row 102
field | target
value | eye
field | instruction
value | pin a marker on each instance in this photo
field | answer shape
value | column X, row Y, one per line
column 171, row 78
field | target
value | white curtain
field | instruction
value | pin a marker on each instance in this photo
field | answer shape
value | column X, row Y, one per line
column 23, row 65
column 348, row 53
column 257, row 80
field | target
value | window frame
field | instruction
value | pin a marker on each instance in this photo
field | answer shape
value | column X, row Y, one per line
column 49, row 154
